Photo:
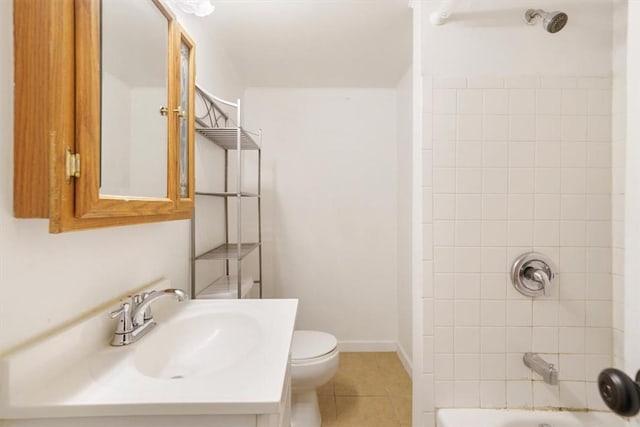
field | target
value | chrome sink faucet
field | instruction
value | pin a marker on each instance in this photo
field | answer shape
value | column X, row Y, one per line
column 548, row 371
column 135, row 318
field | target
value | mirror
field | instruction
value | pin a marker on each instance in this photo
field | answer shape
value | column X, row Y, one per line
column 134, row 95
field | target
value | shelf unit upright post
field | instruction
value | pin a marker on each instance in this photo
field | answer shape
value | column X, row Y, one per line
column 229, row 138
column 238, row 194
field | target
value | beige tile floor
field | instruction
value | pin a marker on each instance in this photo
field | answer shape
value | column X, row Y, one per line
column 369, row 390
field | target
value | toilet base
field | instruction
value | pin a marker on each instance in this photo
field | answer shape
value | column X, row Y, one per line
column 305, row 411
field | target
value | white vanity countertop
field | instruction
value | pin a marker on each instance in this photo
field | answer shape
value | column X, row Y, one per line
column 247, row 340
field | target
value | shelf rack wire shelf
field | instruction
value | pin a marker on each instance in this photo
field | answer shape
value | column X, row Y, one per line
column 216, row 126
column 229, row 251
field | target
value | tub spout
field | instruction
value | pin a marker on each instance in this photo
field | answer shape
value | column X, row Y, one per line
column 548, row 371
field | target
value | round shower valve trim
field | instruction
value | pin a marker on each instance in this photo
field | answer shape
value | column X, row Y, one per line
column 532, row 274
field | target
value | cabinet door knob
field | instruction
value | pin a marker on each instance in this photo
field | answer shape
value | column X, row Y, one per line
column 164, row 111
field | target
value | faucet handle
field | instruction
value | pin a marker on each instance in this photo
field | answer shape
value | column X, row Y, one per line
column 542, row 278
column 139, row 299
column 147, row 311
column 532, row 274
column 124, row 308
column 125, row 325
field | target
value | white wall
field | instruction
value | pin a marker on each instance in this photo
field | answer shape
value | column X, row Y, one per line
column 47, row 279
column 502, row 102
column 329, row 207
column 405, row 171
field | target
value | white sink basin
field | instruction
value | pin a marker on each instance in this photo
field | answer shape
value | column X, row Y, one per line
column 203, row 357
column 197, row 345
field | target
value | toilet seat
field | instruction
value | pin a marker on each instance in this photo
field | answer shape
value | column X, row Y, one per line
column 309, row 347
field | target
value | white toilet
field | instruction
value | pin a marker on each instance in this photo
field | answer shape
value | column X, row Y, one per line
column 314, row 361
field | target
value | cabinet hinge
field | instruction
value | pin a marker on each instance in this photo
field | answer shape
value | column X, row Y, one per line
column 73, row 165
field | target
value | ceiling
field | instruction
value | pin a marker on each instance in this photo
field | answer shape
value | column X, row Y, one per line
column 315, row 43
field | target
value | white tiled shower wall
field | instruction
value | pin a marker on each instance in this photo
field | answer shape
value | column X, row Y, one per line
column 513, row 165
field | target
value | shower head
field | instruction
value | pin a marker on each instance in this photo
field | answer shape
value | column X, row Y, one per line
column 551, row 21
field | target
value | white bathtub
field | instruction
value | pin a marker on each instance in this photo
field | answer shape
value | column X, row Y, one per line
column 521, row 418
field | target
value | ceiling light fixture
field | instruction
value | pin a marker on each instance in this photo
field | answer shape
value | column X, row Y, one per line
column 195, row 7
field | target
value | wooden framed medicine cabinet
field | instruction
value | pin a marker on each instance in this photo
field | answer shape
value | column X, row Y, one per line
column 104, row 113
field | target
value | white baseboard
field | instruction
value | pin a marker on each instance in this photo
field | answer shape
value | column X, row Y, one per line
column 367, row 346
column 406, row 362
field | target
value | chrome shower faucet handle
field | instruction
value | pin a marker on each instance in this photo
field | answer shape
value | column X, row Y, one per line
column 532, row 274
